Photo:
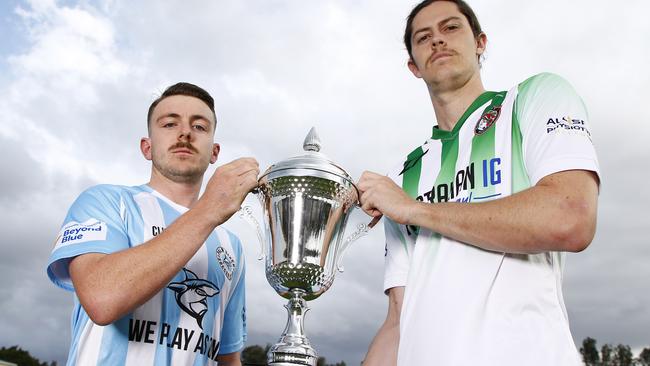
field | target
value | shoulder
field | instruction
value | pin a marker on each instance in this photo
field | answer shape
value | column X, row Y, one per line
column 102, row 197
column 408, row 161
column 108, row 191
column 544, row 95
column 542, row 85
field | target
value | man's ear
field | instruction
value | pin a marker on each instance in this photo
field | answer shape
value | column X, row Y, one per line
column 414, row 68
column 215, row 153
column 145, row 147
column 481, row 44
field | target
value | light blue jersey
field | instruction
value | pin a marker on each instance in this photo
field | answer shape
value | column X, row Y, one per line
column 200, row 314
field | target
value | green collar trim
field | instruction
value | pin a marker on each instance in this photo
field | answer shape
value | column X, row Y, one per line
column 438, row 134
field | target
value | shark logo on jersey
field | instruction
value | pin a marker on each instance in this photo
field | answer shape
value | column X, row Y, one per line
column 487, row 120
column 192, row 294
column 411, row 163
column 226, row 262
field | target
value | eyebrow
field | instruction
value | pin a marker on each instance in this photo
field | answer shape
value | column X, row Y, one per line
column 193, row 117
column 446, row 20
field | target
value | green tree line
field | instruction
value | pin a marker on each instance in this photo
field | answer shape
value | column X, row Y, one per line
column 21, row 357
column 609, row 355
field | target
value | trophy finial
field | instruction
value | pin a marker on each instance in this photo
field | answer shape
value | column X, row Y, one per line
column 312, row 141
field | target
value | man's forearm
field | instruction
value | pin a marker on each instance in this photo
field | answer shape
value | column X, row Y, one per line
column 383, row 348
column 110, row 286
column 558, row 214
column 229, row 359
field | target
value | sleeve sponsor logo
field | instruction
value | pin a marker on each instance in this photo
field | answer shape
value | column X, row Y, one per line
column 567, row 124
column 74, row 232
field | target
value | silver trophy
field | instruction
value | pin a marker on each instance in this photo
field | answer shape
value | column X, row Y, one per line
column 306, row 201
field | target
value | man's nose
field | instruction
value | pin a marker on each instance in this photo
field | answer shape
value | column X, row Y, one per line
column 437, row 40
column 185, row 132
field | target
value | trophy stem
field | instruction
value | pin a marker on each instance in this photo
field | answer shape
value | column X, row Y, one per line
column 293, row 348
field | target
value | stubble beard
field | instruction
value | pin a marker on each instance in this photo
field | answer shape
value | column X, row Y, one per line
column 179, row 172
column 451, row 77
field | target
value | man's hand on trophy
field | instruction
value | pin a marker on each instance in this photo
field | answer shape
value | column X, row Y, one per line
column 381, row 196
column 229, row 185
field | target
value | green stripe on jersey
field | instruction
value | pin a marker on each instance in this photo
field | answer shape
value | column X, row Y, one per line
column 448, row 159
column 411, row 178
column 438, row 134
column 449, row 139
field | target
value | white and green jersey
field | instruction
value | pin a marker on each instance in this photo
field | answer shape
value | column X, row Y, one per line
column 464, row 305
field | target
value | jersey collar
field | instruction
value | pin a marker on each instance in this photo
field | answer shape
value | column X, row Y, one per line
column 180, row 208
column 438, row 134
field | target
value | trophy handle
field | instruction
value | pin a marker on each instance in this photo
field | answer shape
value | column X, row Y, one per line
column 362, row 230
column 246, row 213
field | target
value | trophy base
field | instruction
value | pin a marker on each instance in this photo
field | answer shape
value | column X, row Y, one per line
column 291, row 360
column 293, row 348
column 284, row 354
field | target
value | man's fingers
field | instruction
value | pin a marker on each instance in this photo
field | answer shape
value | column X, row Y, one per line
column 369, row 175
column 374, row 221
column 240, row 167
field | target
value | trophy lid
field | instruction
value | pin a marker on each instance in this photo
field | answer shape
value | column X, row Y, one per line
column 312, row 159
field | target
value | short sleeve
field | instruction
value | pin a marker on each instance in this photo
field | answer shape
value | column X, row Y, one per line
column 233, row 331
column 94, row 224
column 555, row 127
column 398, row 247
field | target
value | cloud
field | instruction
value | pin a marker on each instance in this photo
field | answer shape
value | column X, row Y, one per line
column 76, row 89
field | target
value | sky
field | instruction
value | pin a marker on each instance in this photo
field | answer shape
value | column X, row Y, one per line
column 76, row 79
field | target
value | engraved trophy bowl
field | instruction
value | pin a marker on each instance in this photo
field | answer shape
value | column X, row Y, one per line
column 306, row 201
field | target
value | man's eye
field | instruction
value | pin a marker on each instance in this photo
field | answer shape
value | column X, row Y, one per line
column 452, row 27
column 200, row 128
column 169, row 124
column 423, row 38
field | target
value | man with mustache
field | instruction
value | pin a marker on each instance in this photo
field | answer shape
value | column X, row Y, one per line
column 479, row 217
column 127, row 251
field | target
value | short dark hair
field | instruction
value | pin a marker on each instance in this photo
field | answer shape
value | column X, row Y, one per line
column 464, row 9
column 186, row 89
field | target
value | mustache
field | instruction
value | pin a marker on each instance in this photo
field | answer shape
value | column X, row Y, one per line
column 183, row 145
column 437, row 52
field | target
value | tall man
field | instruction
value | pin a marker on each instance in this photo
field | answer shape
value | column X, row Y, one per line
column 156, row 280
column 478, row 217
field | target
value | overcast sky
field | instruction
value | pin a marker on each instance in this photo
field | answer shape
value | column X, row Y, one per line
column 76, row 79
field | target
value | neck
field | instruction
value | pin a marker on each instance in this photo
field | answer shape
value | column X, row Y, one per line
column 450, row 103
column 184, row 193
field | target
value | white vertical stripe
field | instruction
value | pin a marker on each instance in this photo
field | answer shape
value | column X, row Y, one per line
column 90, row 342
column 503, row 142
column 465, row 137
column 142, row 353
column 224, row 240
column 122, row 209
column 199, row 265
